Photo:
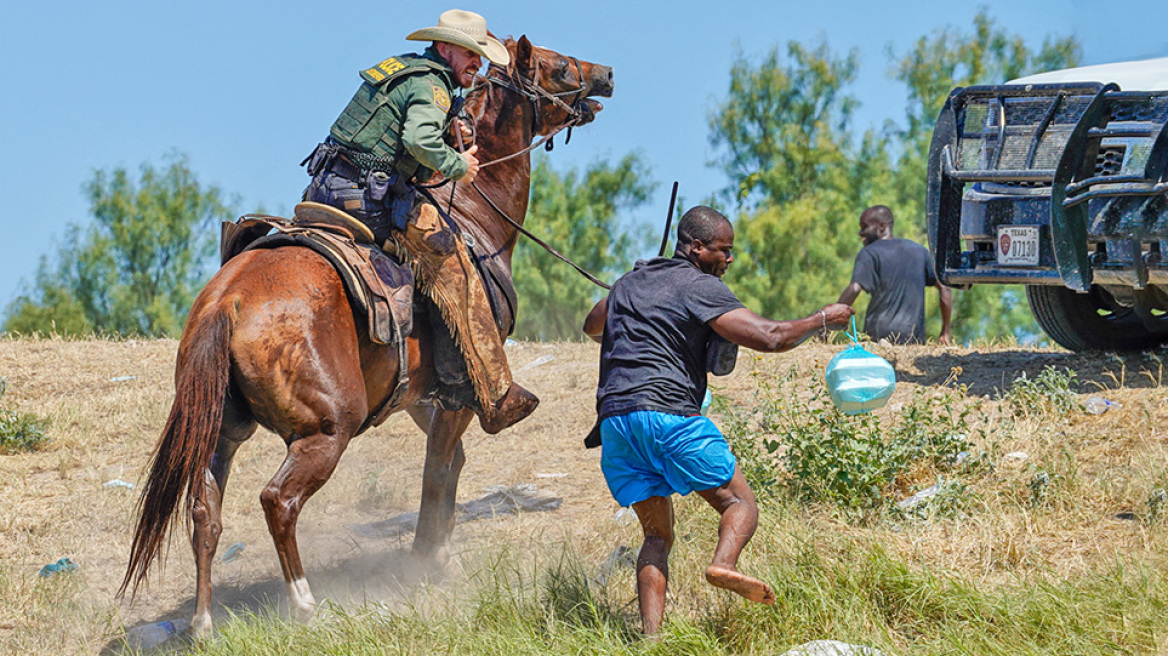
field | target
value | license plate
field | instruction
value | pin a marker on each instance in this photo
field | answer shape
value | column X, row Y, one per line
column 1018, row 245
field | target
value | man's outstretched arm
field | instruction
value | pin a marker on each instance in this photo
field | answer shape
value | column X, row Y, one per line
column 946, row 297
column 746, row 328
column 850, row 293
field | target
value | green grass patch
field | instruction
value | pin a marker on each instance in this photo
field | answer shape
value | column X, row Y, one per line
column 827, row 587
column 1049, row 394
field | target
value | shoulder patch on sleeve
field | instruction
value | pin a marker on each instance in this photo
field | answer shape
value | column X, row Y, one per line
column 441, row 98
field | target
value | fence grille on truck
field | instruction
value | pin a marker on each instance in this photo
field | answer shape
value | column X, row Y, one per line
column 1109, row 161
column 1148, row 110
column 990, row 143
column 1090, row 147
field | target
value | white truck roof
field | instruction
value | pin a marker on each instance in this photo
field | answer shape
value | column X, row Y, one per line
column 1144, row 75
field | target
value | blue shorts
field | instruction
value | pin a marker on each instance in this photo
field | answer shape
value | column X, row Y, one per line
column 654, row 454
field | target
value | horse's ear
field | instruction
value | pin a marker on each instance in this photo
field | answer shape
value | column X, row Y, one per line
column 523, row 54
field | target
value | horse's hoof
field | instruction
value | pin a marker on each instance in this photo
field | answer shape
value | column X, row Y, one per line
column 303, row 614
column 201, row 627
column 429, row 561
column 301, row 601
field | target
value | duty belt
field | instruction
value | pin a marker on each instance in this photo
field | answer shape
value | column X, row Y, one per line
column 346, row 162
column 364, row 162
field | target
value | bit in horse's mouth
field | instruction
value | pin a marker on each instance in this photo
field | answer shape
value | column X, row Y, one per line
column 588, row 110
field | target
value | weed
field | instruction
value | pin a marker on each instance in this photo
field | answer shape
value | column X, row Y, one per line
column 1158, row 377
column 853, row 462
column 1050, row 394
column 1039, row 488
column 1156, row 501
column 947, row 498
column 375, row 493
column 20, row 431
column 756, row 457
column 568, row 597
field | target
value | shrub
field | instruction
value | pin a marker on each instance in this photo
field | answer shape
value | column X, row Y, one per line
column 1157, row 499
column 19, row 431
column 854, row 462
column 1049, row 394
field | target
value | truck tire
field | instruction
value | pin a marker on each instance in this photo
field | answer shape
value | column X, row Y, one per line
column 1087, row 322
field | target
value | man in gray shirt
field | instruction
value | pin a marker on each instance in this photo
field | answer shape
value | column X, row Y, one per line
column 895, row 272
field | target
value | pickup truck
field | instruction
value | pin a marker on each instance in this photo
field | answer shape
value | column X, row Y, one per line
column 1059, row 181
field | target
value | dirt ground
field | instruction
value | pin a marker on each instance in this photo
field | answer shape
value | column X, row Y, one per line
column 108, row 400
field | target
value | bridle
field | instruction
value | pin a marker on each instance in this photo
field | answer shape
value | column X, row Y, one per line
column 577, row 111
column 534, row 93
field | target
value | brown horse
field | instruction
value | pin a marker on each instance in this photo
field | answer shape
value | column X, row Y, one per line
column 272, row 340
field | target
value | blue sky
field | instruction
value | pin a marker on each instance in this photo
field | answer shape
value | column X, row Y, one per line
column 245, row 89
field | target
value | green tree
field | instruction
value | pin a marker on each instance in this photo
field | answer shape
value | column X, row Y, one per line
column 136, row 268
column 784, row 137
column 576, row 212
column 783, row 127
column 933, row 67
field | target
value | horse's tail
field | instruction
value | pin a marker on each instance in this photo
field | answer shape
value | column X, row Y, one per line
column 188, row 442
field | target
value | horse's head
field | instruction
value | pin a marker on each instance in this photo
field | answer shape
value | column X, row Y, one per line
column 514, row 110
column 560, row 87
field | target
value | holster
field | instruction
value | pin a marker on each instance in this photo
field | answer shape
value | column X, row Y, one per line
column 377, row 185
column 404, row 199
column 319, row 158
column 384, row 200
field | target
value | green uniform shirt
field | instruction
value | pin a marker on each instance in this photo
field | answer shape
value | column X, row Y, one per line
column 400, row 112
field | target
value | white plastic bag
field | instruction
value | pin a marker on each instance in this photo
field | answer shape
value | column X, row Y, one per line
column 857, row 380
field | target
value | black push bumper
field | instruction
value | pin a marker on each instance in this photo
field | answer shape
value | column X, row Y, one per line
column 1085, row 164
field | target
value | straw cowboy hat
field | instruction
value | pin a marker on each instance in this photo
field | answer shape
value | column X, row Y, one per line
column 466, row 29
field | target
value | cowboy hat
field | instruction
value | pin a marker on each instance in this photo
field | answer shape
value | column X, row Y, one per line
column 466, row 29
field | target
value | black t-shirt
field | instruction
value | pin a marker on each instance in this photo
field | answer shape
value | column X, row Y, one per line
column 895, row 272
column 653, row 356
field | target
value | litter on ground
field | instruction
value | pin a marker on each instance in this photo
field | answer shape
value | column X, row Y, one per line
column 499, row 500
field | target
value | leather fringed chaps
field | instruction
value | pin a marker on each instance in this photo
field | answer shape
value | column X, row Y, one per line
column 450, row 280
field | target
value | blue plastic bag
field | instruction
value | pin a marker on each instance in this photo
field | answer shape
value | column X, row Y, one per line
column 64, row 565
column 857, row 380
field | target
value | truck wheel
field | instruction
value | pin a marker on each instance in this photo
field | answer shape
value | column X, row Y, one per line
column 1089, row 322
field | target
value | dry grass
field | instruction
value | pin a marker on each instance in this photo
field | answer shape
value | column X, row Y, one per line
column 53, row 502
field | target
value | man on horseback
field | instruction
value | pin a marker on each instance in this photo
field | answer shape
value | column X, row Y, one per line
column 393, row 135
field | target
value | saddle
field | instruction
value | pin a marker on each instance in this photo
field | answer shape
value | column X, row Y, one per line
column 379, row 287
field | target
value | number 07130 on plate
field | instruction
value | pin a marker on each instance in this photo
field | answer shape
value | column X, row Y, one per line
column 1018, row 245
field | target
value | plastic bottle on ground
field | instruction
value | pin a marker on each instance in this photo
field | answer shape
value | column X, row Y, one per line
column 1097, row 405
column 149, row 636
column 625, row 516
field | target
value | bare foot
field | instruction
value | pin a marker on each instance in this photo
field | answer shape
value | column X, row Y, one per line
column 731, row 579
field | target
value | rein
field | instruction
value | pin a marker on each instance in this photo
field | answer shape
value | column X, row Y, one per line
column 534, row 93
column 527, row 233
